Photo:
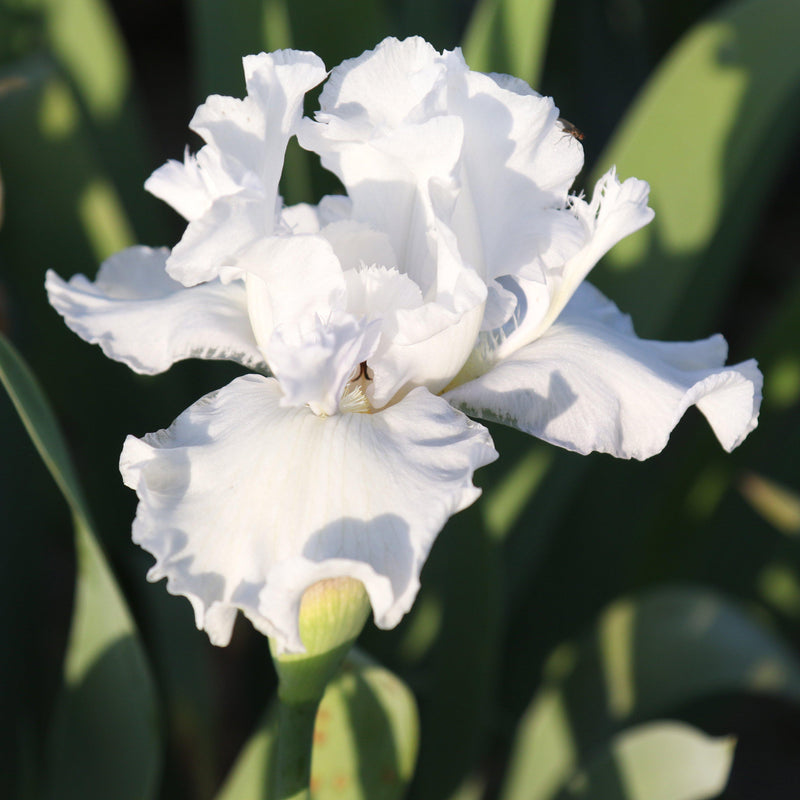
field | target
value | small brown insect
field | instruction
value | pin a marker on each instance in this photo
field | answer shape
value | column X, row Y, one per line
column 572, row 130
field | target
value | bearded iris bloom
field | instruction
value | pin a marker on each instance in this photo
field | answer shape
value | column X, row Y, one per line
column 448, row 279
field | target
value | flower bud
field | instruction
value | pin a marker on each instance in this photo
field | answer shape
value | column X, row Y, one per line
column 332, row 614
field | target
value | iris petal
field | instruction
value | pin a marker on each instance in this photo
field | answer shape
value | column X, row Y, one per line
column 245, row 503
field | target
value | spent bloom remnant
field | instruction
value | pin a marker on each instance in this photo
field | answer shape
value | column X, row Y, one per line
column 448, row 279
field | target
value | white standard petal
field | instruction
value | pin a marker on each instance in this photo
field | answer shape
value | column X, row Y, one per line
column 218, row 238
column 427, row 345
column 357, row 245
column 245, row 503
column 141, row 317
column 191, row 186
column 589, row 384
column 255, row 130
column 236, row 176
column 291, row 279
column 386, row 86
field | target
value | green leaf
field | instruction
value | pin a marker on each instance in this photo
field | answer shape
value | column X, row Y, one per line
column 222, row 33
column 647, row 657
column 455, row 632
column 43, row 134
column 509, row 36
column 35, row 413
column 779, row 505
column 83, row 38
column 365, row 741
column 657, row 761
column 104, row 742
column 708, row 132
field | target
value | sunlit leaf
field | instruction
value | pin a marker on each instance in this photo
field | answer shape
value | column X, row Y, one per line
column 647, row 657
column 777, row 504
column 708, row 132
column 365, row 741
column 509, row 36
column 656, row 761
column 104, row 740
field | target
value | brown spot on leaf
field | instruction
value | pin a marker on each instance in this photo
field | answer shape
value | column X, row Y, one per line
column 340, row 782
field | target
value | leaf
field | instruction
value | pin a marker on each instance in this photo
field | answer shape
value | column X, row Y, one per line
column 365, row 741
column 779, row 505
column 104, row 742
column 657, row 761
column 647, row 657
column 509, row 36
column 84, row 40
column 44, row 134
column 708, row 132
column 454, row 637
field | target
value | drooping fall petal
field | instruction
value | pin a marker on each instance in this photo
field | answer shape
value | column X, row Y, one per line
column 245, row 503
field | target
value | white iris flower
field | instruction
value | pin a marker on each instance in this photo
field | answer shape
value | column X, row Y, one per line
column 451, row 276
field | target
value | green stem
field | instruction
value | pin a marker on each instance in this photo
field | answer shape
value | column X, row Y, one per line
column 295, row 739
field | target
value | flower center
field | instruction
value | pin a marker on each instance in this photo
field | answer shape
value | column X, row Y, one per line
column 354, row 398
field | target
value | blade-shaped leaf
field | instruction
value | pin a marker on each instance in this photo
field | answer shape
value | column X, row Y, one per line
column 104, row 740
column 365, row 741
column 656, row 761
column 83, row 38
column 647, row 657
column 708, row 132
column 453, row 636
column 509, row 36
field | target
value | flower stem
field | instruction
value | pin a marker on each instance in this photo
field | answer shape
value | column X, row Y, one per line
column 295, row 739
column 332, row 614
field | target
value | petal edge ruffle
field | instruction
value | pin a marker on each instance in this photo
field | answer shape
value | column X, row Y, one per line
column 245, row 503
column 141, row 317
column 589, row 384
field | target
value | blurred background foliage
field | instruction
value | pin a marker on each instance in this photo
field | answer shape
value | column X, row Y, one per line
column 591, row 628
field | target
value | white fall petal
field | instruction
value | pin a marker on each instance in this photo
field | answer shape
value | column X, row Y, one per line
column 245, row 503
column 590, row 384
column 141, row 317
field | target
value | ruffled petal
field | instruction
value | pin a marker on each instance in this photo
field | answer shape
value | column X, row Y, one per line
column 390, row 143
column 357, row 245
column 376, row 291
column 191, row 186
column 314, row 362
column 517, row 166
column 617, row 210
column 221, row 236
column 589, row 384
column 428, row 345
column 141, row 317
column 291, row 279
column 255, row 130
column 245, row 503
column 236, row 176
column 384, row 87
